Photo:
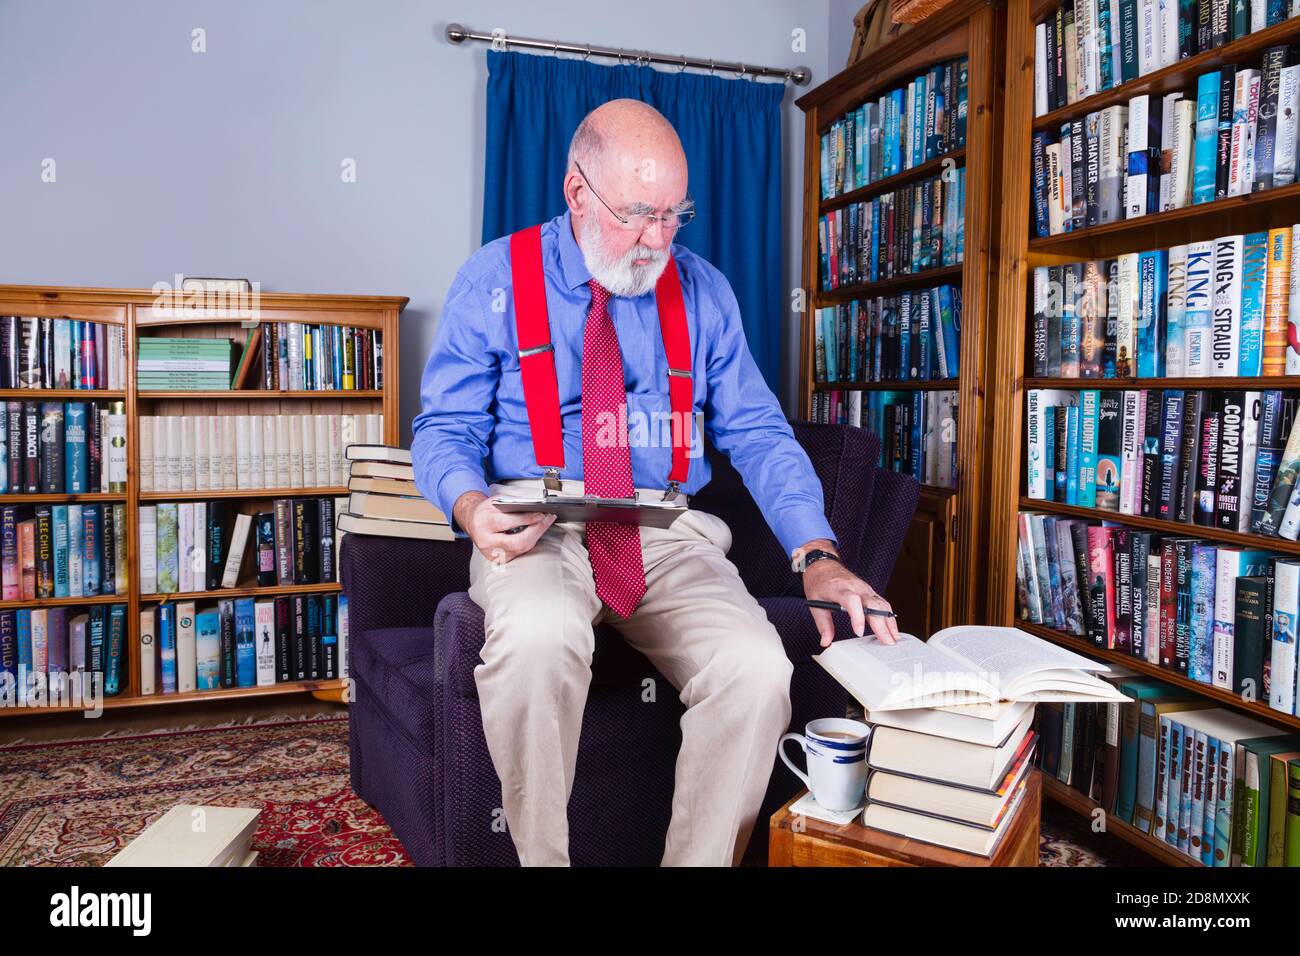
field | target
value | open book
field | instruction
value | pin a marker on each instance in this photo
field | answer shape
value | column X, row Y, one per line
column 972, row 664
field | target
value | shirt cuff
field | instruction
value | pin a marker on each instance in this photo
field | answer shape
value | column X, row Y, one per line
column 796, row 530
column 455, row 483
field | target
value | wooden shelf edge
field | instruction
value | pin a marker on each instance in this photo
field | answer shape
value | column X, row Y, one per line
column 337, row 686
column 1174, row 77
column 1120, row 658
column 258, row 393
column 320, row 491
column 1220, row 210
column 931, row 385
column 879, row 187
column 65, row 601
column 57, row 498
column 900, row 283
column 1241, row 538
column 1254, row 383
column 54, row 394
column 246, row 591
column 1072, row 799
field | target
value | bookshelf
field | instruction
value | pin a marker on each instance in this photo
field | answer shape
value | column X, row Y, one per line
column 943, row 550
column 140, row 313
column 1011, row 374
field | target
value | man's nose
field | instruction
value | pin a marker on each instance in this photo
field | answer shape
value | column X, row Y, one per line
column 656, row 236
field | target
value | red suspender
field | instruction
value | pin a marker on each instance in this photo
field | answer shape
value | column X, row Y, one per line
column 537, row 356
column 677, row 348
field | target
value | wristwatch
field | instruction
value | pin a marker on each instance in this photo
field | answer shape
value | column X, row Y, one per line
column 803, row 559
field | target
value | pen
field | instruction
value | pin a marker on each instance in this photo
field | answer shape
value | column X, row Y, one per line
column 832, row 606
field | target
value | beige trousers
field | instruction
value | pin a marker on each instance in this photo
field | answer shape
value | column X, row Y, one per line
column 696, row 623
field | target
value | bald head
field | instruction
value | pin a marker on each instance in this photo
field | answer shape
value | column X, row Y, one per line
column 625, row 160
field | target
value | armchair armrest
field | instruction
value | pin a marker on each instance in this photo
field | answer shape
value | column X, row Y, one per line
column 398, row 582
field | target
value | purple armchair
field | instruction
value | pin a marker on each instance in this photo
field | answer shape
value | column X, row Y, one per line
column 417, row 748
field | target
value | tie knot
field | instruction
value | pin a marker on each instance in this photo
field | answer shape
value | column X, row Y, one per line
column 598, row 292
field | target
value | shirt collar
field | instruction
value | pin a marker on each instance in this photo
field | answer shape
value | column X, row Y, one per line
column 572, row 265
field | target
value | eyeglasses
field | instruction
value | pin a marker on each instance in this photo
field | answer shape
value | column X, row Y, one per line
column 639, row 222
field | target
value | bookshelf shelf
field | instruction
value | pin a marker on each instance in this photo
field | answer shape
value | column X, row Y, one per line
column 60, row 498
column 1160, row 230
column 1086, row 807
column 1252, row 383
column 190, row 697
column 136, row 310
column 1225, row 697
column 945, row 538
column 259, row 393
column 1175, row 77
column 250, row 590
column 901, row 283
column 66, row 394
column 66, row 601
column 248, row 493
column 933, row 385
column 1280, row 545
column 918, row 173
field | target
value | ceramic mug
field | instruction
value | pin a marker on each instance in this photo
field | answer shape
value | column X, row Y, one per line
column 836, row 751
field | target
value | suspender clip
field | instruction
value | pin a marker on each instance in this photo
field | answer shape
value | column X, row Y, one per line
column 536, row 350
column 674, row 489
column 551, row 480
column 679, row 373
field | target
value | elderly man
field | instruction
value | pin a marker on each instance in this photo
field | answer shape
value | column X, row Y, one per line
column 551, row 343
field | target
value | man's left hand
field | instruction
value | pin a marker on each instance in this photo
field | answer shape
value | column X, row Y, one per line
column 828, row 580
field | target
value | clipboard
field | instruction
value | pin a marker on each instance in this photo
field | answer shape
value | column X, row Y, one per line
column 654, row 514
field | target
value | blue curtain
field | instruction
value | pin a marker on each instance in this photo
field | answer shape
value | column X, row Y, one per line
column 730, row 129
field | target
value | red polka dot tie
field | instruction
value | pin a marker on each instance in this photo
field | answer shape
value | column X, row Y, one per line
column 614, row 549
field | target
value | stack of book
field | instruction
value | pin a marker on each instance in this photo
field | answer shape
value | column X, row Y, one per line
column 1221, row 307
column 384, row 500
column 42, row 650
column 62, row 447
column 904, row 232
column 1220, row 615
column 953, row 740
column 1209, row 781
column 917, row 430
column 241, row 642
column 189, row 835
column 913, row 336
column 1089, row 46
column 184, row 364
column 1236, row 134
column 903, row 128
column 200, row 545
column 43, row 352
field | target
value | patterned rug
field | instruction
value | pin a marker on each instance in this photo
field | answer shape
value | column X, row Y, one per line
column 79, row 802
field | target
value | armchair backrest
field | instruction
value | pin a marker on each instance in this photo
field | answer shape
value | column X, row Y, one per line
column 844, row 458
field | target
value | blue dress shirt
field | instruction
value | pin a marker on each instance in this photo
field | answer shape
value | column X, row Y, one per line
column 473, row 424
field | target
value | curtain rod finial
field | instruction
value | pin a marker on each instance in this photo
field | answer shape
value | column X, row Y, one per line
column 800, row 75
column 456, row 33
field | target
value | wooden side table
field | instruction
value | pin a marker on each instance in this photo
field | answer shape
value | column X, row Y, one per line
column 817, row 843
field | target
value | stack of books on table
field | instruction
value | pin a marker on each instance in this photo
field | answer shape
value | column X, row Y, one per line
column 184, row 364
column 384, row 500
column 953, row 742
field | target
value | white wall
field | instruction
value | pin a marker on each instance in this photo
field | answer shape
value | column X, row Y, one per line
column 227, row 162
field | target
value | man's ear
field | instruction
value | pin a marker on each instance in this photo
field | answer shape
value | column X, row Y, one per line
column 573, row 192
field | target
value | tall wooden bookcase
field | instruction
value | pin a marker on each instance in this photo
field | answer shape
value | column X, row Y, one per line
column 937, row 581
column 141, row 312
column 1010, row 376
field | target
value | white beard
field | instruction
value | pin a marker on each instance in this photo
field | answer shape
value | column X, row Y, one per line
column 619, row 274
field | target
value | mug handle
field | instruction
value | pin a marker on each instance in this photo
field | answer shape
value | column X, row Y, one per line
column 803, row 744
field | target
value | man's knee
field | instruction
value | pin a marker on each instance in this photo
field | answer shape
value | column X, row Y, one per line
column 758, row 670
column 537, row 647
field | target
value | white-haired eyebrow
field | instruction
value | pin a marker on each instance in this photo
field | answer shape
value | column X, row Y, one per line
column 645, row 209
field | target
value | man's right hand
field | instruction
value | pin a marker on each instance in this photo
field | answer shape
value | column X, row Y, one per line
column 487, row 527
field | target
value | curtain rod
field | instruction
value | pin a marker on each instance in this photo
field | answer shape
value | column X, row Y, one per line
column 499, row 39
